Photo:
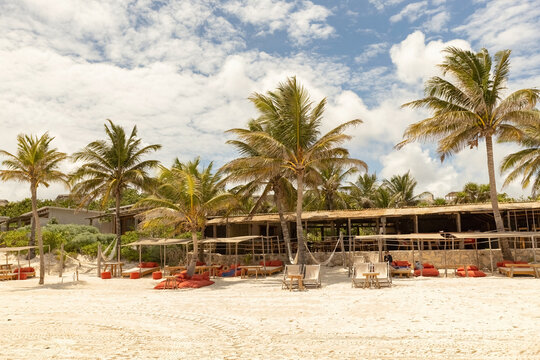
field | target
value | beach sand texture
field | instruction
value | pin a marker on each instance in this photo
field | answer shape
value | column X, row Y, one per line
column 423, row 318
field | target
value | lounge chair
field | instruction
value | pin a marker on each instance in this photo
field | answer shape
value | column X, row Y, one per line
column 290, row 270
column 312, row 275
column 358, row 279
column 271, row 267
column 384, row 277
column 520, row 269
column 143, row 270
column 401, row 268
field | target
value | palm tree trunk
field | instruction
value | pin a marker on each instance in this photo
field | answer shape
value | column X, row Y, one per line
column 200, row 254
column 193, row 262
column 299, row 228
column 284, row 226
column 32, row 241
column 118, row 226
column 33, row 191
column 503, row 243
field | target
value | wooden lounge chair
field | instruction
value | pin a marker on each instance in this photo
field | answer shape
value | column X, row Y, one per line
column 290, row 270
column 144, row 271
column 520, row 269
column 384, row 277
column 312, row 275
column 358, row 279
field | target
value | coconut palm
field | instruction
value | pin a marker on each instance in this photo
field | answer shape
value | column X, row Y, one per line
column 185, row 197
column 110, row 167
column 525, row 162
column 401, row 190
column 328, row 181
column 35, row 162
column 262, row 169
column 473, row 193
column 293, row 136
column 469, row 107
column 363, row 191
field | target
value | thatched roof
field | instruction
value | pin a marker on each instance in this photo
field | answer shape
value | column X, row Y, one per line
column 375, row 213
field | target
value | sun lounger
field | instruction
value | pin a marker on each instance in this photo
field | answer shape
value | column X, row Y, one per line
column 520, row 269
column 271, row 270
column 358, row 279
column 384, row 273
column 401, row 268
column 290, row 270
column 144, row 271
column 312, row 275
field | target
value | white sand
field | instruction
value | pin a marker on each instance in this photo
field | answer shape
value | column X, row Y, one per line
column 425, row 318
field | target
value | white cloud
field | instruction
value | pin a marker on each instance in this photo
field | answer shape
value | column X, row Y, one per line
column 437, row 22
column 411, row 12
column 371, row 51
column 381, row 4
column 302, row 20
column 416, row 61
column 505, row 24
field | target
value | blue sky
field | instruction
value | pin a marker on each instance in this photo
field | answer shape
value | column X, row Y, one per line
column 182, row 71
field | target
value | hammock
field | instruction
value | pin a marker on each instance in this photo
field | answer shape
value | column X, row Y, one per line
column 112, row 252
column 327, row 261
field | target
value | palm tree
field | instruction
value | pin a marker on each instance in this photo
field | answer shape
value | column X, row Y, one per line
column 473, row 193
column 293, row 136
column 185, row 197
column 525, row 162
column 110, row 167
column 401, row 190
column 37, row 163
column 328, row 180
column 469, row 107
column 363, row 191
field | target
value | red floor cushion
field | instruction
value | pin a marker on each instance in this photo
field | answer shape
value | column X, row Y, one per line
column 22, row 276
column 428, row 266
column 106, row 275
column 156, row 275
column 402, row 263
column 25, row 270
column 472, row 273
column 167, row 284
column 427, row 272
column 194, row 284
column 134, row 275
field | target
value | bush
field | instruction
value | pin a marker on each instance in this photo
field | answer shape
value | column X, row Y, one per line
column 17, row 237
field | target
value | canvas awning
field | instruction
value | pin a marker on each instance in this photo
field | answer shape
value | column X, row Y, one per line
column 16, row 249
column 231, row 240
column 426, row 236
column 159, row 242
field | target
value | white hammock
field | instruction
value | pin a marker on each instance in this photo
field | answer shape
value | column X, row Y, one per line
column 327, row 261
column 112, row 252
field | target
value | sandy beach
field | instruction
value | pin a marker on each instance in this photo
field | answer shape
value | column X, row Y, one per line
column 423, row 318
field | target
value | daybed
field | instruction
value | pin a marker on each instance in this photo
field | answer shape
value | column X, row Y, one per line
column 144, row 269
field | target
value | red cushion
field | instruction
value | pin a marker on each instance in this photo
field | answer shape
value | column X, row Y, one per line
column 200, row 263
column 394, row 263
column 428, row 266
column 504, row 262
column 156, row 275
column 402, row 263
column 148, row 265
column 276, row 263
column 142, row 265
column 22, row 276
column 469, row 268
column 471, row 273
column 106, row 275
column 25, row 270
column 134, row 275
column 427, row 272
column 195, row 284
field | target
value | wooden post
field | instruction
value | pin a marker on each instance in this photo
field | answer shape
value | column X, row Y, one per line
column 164, row 256
column 380, row 249
column 342, row 249
column 416, row 224
column 19, row 263
column 509, row 221
column 264, row 256
column 49, row 262
column 490, row 256
column 236, row 255
column 533, row 245
column 61, row 259
column 350, row 240
column 99, row 259
column 140, row 260
column 214, row 231
column 445, row 262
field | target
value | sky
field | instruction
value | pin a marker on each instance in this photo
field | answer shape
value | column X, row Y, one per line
column 182, row 72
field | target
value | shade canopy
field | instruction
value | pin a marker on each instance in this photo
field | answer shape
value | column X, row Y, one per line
column 427, row 236
column 158, row 242
column 231, row 240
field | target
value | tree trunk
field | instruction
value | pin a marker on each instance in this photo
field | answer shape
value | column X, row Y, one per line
column 503, row 243
column 118, row 226
column 193, row 262
column 32, row 241
column 299, row 228
column 284, row 226
column 33, row 191
column 200, row 254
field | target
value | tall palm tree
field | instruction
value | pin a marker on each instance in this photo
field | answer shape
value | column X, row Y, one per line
column 35, row 162
column 401, row 190
column 473, row 193
column 328, row 179
column 363, row 191
column 469, row 107
column 110, row 167
column 293, row 136
column 525, row 162
column 186, row 196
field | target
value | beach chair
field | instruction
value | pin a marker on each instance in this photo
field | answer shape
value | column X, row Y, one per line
column 384, row 273
column 312, row 275
column 358, row 279
column 290, row 270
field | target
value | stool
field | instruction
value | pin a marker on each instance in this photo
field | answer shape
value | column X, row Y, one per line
column 134, row 275
column 23, row 276
column 156, row 275
column 106, row 275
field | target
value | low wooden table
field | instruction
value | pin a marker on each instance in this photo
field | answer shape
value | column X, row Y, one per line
column 297, row 278
column 401, row 272
column 170, row 280
column 246, row 269
column 115, row 266
column 5, row 267
column 371, row 277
